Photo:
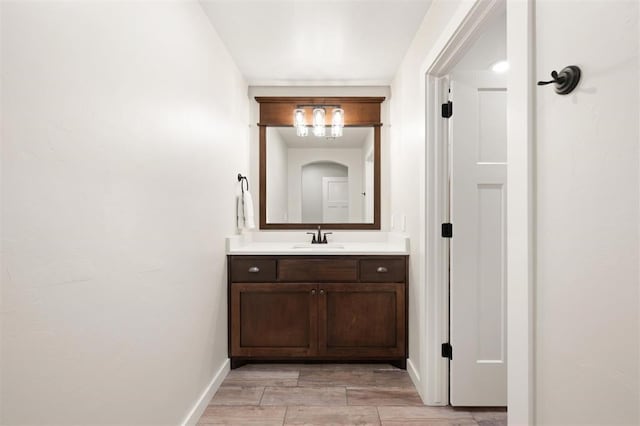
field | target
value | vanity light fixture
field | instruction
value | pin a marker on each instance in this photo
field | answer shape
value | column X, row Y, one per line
column 319, row 125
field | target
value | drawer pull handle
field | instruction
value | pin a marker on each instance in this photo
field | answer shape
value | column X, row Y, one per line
column 254, row 270
column 382, row 270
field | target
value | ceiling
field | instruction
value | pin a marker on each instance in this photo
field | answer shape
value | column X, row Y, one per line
column 307, row 42
column 353, row 137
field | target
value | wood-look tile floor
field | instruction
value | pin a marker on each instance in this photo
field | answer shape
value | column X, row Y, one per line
column 331, row 394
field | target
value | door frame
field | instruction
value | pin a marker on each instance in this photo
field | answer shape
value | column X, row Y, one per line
column 464, row 28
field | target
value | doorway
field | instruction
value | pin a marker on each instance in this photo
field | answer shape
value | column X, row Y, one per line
column 439, row 64
column 477, row 136
column 325, row 192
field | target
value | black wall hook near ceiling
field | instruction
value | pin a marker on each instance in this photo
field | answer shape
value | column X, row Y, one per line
column 565, row 81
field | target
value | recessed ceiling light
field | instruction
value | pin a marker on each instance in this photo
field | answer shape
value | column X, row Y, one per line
column 500, row 67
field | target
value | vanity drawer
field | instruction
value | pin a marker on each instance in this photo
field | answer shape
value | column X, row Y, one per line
column 382, row 270
column 315, row 270
column 252, row 269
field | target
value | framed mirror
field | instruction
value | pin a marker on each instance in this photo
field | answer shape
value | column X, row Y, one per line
column 309, row 179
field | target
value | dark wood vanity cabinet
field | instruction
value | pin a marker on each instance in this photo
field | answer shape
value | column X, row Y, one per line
column 318, row 308
column 361, row 320
column 273, row 320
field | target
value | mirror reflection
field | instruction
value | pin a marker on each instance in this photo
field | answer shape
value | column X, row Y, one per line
column 320, row 179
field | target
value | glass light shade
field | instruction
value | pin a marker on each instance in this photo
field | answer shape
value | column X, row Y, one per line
column 318, row 122
column 318, row 117
column 337, row 122
column 318, row 131
column 302, row 131
column 298, row 117
column 337, row 117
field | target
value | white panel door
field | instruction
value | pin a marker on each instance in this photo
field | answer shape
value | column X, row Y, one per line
column 478, row 137
column 335, row 199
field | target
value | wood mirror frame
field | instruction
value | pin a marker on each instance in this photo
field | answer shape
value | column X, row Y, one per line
column 358, row 112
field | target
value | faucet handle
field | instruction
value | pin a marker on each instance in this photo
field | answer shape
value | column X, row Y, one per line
column 313, row 241
column 324, row 239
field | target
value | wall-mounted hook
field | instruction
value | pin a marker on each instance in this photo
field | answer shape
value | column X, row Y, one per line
column 565, row 81
column 554, row 74
column 242, row 180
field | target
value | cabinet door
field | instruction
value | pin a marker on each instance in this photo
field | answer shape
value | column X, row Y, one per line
column 362, row 320
column 274, row 319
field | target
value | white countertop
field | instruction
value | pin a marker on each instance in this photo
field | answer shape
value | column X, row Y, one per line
column 296, row 243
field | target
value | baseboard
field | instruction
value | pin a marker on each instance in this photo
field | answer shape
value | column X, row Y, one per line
column 199, row 407
column 415, row 377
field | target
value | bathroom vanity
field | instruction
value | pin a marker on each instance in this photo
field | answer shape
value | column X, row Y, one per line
column 317, row 307
column 342, row 300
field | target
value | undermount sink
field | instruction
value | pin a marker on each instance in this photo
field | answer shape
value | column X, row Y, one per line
column 309, row 246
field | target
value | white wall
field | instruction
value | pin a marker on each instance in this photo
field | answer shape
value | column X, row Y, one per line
column 588, row 218
column 407, row 176
column 350, row 157
column 124, row 127
column 367, row 179
column 277, row 177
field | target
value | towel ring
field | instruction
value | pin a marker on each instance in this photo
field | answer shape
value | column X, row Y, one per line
column 241, row 179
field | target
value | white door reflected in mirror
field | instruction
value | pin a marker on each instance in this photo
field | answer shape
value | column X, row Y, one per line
column 320, row 179
column 335, row 200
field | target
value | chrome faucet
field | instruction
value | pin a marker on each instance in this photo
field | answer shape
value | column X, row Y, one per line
column 319, row 238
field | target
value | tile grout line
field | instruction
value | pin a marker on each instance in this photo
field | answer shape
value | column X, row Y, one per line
column 346, row 388
column 264, row 389
column 286, row 408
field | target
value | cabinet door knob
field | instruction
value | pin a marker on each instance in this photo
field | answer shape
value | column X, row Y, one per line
column 321, row 291
column 313, row 292
column 382, row 270
column 254, row 270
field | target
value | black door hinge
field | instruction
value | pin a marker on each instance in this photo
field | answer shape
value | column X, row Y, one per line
column 447, row 230
column 447, row 110
column 447, row 351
